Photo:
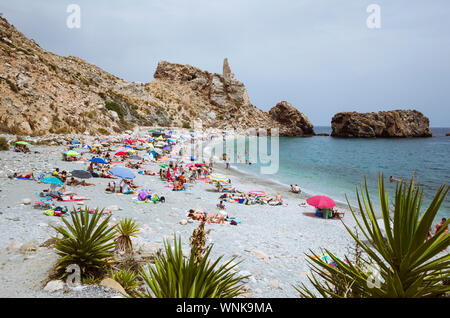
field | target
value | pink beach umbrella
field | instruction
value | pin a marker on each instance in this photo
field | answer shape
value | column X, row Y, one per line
column 321, row 202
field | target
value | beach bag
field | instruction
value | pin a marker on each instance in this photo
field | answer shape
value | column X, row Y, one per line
column 142, row 196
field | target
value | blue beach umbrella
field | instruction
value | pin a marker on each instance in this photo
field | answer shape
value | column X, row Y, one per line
column 98, row 160
column 52, row 180
column 122, row 172
column 75, row 141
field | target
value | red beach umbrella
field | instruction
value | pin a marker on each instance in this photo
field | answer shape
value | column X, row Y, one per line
column 321, row 202
column 120, row 153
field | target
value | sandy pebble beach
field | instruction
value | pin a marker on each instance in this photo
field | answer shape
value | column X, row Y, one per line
column 270, row 241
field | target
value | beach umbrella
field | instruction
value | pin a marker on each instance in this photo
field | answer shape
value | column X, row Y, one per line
column 72, row 153
column 163, row 166
column 98, row 160
column 75, row 141
column 120, row 153
column 82, row 174
column 135, row 158
column 22, row 143
column 217, row 177
column 122, row 172
column 321, row 202
column 52, row 180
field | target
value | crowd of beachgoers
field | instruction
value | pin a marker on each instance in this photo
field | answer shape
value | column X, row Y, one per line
column 163, row 154
column 164, row 181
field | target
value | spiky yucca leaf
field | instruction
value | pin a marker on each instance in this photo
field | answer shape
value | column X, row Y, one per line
column 126, row 278
column 86, row 242
column 400, row 263
column 174, row 277
column 127, row 228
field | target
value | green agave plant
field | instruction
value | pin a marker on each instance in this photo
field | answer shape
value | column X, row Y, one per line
column 126, row 229
column 401, row 263
column 86, row 242
column 174, row 277
column 126, row 278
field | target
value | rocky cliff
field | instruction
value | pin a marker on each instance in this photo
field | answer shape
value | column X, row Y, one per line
column 292, row 122
column 396, row 123
column 42, row 93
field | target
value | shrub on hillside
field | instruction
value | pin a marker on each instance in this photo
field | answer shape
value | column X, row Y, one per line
column 3, row 144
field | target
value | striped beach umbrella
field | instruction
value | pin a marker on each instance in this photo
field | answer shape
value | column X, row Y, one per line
column 217, row 177
column 71, row 153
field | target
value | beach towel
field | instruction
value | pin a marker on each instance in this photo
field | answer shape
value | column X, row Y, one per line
column 30, row 179
column 140, row 202
column 72, row 199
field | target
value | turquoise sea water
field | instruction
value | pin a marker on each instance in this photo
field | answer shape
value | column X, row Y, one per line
column 335, row 166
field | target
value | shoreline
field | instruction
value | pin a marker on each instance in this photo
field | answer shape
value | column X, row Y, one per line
column 271, row 241
column 275, row 186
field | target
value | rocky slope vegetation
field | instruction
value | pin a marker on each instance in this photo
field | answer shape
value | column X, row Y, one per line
column 395, row 123
column 42, row 93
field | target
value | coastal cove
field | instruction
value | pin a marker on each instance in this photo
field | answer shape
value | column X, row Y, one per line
column 336, row 166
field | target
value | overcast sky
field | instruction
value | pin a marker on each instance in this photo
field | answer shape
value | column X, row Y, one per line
column 317, row 54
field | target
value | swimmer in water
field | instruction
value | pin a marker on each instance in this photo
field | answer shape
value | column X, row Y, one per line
column 392, row 179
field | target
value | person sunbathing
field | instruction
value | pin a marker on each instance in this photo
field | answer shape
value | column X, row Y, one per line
column 278, row 198
column 335, row 213
column 199, row 215
column 177, row 186
column 222, row 188
column 126, row 188
column 192, row 178
column 63, row 176
column 91, row 211
column 149, row 173
column 111, row 187
column 22, row 175
column 221, row 206
column 75, row 182
column 182, row 179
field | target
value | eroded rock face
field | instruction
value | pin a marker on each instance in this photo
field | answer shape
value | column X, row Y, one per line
column 396, row 123
column 42, row 93
column 221, row 90
column 292, row 122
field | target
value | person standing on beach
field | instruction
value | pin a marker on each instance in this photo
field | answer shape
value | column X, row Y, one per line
column 440, row 225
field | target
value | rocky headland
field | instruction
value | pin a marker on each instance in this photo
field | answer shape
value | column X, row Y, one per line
column 395, row 123
column 43, row 93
